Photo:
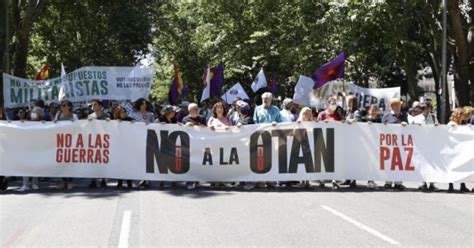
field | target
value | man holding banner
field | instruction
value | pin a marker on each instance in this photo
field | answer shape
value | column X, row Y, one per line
column 395, row 116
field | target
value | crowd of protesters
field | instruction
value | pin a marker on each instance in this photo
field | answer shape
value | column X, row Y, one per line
column 219, row 115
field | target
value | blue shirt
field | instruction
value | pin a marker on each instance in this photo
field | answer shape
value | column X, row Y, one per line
column 266, row 115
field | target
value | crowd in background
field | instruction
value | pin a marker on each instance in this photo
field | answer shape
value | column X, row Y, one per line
column 219, row 115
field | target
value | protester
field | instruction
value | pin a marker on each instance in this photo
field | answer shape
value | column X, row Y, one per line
column 168, row 113
column 21, row 115
column 395, row 116
column 424, row 118
column 471, row 120
column 305, row 115
column 167, row 116
column 142, row 114
column 142, row 111
column 243, row 108
column 287, row 109
column 459, row 116
column 98, row 114
column 3, row 114
column 193, row 119
column 53, row 111
column 65, row 114
column 353, row 110
column 205, row 111
column 37, row 114
column 414, row 111
column 244, row 111
column 120, row 114
column 287, row 116
column 330, row 114
column 183, row 112
column 219, row 120
column 372, row 117
column 266, row 113
column 353, row 115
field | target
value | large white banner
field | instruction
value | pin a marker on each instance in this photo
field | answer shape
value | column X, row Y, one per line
column 305, row 151
column 379, row 96
column 86, row 83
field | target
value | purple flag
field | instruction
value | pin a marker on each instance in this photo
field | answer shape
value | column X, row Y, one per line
column 329, row 71
column 173, row 93
column 217, row 81
column 273, row 85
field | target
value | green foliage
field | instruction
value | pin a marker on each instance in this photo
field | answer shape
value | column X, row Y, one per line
column 387, row 42
column 91, row 32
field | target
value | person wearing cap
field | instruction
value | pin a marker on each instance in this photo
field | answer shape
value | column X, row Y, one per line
column 167, row 116
column 393, row 117
column 232, row 113
column 168, row 113
column 244, row 111
column 286, row 113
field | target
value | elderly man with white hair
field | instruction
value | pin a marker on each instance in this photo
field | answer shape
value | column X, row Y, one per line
column 267, row 113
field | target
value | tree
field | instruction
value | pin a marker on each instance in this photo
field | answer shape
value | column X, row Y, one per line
column 25, row 13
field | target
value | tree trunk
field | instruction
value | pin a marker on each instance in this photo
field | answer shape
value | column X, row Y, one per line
column 21, row 53
column 410, row 71
column 461, row 72
column 25, row 14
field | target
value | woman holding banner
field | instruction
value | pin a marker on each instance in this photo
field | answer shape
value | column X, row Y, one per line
column 219, row 121
column 305, row 115
column 65, row 114
column 142, row 114
column 329, row 114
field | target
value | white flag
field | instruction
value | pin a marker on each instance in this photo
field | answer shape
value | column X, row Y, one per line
column 207, row 81
column 236, row 91
column 304, row 91
column 260, row 81
column 62, row 92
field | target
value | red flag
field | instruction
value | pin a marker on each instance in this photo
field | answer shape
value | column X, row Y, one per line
column 43, row 73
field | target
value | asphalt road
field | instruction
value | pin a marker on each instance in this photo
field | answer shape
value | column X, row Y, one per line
column 294, row 217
